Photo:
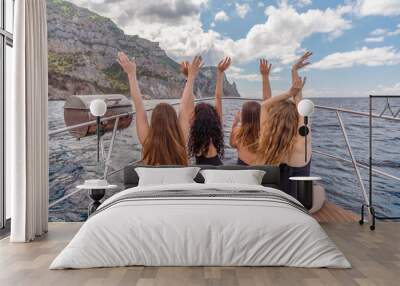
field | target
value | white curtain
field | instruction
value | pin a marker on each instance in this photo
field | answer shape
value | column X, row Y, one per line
column 26, row 120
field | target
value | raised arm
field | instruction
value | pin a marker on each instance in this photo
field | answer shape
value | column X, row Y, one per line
column 296, row 87
column 219, row 86
column 283, row 96
column 187, row 101
column 296, row 80
column 265, row 69
column 142, row 124
column 299, row 64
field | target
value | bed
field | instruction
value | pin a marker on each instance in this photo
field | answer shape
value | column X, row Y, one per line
column 198, row 224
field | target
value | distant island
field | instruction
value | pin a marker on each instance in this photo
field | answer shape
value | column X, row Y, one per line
column 82, row 59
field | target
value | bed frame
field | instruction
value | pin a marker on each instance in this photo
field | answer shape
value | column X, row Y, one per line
column 270, row 179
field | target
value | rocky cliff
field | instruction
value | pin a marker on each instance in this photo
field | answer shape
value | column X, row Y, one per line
column 82, row 58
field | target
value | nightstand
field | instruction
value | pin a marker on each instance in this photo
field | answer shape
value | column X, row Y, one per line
column 305, row 190
column 96, row 190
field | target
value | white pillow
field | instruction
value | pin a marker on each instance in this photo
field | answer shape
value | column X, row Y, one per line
column 166, row 176
column 248, row 177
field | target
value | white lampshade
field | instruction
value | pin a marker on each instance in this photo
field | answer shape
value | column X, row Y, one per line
column 305, row 107
column 98, row 107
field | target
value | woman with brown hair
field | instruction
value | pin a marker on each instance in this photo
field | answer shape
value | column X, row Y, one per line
column 246, row 126
column 280, row 142
column 163, row 140
column 204, row 121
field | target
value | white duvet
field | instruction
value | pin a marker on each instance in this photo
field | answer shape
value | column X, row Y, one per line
column 206, row 231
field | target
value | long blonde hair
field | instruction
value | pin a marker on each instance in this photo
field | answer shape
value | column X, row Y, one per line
column 249, row 131
column 165, row 144
column 278, row 132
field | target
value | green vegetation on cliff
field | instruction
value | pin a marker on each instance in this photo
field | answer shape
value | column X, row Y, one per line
column 60, row 63
column 117, row 78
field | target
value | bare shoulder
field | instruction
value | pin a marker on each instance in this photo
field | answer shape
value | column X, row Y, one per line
column 233, row 139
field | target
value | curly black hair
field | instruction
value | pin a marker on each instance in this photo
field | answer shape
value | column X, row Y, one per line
column 206, row 128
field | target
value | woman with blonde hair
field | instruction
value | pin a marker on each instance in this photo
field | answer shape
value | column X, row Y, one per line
column 246, row 126
column 280, row 142
column 163, row 140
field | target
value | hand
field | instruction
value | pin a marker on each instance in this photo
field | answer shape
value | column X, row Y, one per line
column 185, row 68
column 224, row 64
column 265, row 68
column 302, row 62
column 297, row 86
column 195, row 66
column 129, row 66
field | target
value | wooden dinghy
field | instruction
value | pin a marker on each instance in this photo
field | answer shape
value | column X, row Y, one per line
column 76, row 111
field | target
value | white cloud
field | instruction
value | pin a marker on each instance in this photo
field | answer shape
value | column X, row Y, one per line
column 304, row 2
column 387, row 90
column 260, row 4
column 374, row 39
column 378, row 7
column 236, row 73
column 175, row 24
column 221, row 16
column 249, row 77
column 180, row 32
column 280, row 37
column 277, row 69
column 378, row 32
column 242, row 9
column 379, row 35
column 362, row 57
column 395, row 32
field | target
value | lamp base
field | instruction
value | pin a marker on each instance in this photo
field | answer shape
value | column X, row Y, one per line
column 96, row 195
column 305, row 193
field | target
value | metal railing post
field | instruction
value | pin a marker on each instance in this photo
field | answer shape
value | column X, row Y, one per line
column 110, row 149
column 353, row 159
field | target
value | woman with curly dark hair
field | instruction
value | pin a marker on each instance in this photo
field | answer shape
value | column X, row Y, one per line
column 206, row 135
column 206, row 138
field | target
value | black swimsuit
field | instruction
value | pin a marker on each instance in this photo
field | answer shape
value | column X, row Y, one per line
column 287, row 185
column 241, row 162
column 203, row 160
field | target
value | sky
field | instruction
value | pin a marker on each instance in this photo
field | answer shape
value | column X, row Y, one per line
column 356, row 43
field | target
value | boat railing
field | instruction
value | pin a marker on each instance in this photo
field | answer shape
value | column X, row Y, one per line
column 339, row 111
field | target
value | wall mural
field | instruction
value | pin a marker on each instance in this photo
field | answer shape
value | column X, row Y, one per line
column 85, row 36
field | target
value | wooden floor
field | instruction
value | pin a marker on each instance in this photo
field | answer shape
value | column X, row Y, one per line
column 375, row 257
column 331, row 213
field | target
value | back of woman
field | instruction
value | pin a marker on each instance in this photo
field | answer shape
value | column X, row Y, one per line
column 280, row 141
column 279, row 132
column 206, row 137
column 204, row 121
column 162, row 140
column 164, row 144
column 245, row 133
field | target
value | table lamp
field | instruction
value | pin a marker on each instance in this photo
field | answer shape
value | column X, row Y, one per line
column 98, row 108
column 305, row 109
